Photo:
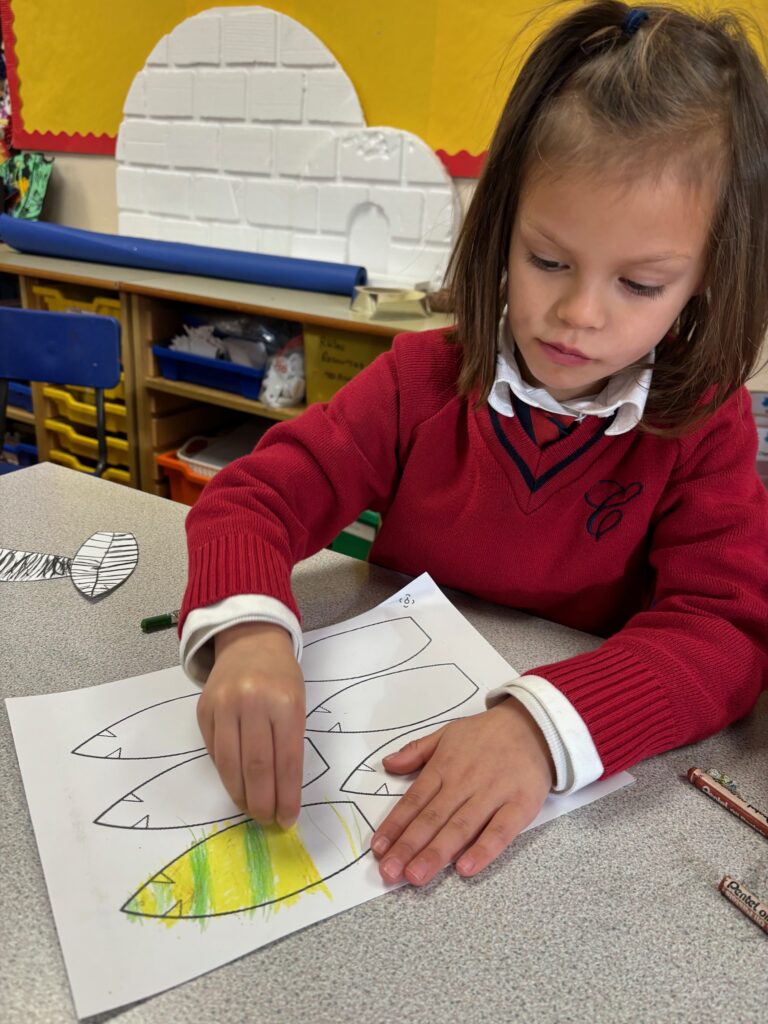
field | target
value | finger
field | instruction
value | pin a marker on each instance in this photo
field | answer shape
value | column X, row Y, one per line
column 419, row 834
column 431, row 853
column 508, row 822
column 412, row 803
column 226, row 756
column 288, row 739
column 413, row 755
column 205, row 723
column 258, row 768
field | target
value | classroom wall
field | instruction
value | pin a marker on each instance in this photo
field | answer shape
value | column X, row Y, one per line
column 82, row 194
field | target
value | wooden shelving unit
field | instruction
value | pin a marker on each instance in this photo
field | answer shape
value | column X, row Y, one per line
column 21, row 415
column 224, row 398
column 162, row 413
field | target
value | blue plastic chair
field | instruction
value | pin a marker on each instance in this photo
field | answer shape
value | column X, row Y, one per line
column 60, row 348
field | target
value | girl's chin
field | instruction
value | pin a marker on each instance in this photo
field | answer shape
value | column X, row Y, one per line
column 562, row 383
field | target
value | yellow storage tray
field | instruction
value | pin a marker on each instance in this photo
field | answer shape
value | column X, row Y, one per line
column 55, row 300
column 117, row 448
column 84, row 413
column 89, row 395
column 118, row 476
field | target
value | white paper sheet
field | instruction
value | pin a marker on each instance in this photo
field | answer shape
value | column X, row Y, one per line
column 154, row 876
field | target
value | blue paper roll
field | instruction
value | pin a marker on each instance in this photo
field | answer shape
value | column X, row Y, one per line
column 178, row 257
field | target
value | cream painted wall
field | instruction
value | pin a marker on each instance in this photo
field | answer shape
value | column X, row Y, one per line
column 82, row 193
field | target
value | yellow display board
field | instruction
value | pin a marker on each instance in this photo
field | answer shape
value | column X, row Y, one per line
column 438, row 68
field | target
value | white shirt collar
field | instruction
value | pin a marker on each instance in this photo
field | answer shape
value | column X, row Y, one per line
column 625, row 393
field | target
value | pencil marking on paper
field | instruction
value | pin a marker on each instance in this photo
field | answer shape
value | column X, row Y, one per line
column 248, row 866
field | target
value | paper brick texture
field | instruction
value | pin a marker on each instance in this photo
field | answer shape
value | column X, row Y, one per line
column 244, row 132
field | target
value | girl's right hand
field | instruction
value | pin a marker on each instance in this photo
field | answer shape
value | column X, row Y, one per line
column 252, row 715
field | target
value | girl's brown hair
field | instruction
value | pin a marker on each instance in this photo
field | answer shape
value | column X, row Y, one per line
column 684, row 90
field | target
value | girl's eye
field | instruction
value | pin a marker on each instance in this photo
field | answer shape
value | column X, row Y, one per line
column 647, row 291
column 537, row 261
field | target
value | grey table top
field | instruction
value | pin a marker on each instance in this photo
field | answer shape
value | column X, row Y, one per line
column 610, row 913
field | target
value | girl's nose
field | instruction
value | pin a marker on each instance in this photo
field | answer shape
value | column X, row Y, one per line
column 580, row 307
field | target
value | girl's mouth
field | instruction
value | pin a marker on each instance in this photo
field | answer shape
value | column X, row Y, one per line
column 563, row 356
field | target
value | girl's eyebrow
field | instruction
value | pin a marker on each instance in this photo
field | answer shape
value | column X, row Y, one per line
column 662, row 257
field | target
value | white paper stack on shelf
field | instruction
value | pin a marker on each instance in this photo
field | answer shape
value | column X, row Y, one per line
column 203, row 341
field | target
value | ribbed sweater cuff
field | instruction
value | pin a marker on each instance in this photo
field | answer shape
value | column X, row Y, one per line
column 621, row 702
column 236, row 564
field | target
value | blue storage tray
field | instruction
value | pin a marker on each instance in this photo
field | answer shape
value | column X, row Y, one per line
column 20, row 395
column 211, row 373
column 25, row 453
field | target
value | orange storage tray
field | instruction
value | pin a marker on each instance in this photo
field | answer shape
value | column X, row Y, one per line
column 186, row 486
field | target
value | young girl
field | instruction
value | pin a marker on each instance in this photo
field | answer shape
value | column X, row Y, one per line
column 580, row 447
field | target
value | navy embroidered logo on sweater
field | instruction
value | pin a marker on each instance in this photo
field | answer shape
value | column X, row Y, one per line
column 606, row 498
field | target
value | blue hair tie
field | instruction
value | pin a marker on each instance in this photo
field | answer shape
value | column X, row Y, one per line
column 633, row 21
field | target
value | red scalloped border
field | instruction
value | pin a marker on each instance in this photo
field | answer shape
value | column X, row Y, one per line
column 55, row 141
column 462, row 164
column 11, row 69
column 61, row 142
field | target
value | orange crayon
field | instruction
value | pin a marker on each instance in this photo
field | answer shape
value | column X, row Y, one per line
column 731, row 801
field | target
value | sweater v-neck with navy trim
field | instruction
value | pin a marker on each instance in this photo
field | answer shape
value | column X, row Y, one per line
column 531, row 418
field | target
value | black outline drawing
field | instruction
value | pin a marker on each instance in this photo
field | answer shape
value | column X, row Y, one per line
column 32, row 566
column 164, row 871
column 341, row 659
column 117, row 753
column 152, row 734
column 337, row 716
column 403, row 781
column 101, row 564
column 144, row 822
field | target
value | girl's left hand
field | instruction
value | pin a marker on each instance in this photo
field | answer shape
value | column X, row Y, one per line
column 482, row 780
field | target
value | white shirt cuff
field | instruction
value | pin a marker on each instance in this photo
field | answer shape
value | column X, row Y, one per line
column 577, row 762
column 202, row 624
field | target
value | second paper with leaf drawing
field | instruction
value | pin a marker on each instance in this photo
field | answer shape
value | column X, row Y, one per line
column 156, row 877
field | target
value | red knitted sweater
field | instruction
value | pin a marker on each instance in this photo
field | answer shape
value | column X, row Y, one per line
column 658, row 544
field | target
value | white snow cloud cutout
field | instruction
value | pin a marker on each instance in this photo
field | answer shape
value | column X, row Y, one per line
column 243, row 131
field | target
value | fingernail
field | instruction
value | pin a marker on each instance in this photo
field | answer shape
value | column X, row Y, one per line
column 418, row 871
column 392, row 869
column 465, row 866
column 380, row 844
